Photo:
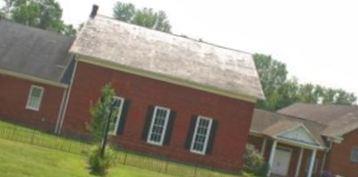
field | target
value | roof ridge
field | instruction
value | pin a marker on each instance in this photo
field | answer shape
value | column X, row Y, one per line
column 183, row 36
column 55, row 33
column 324, row 104
column 290, row 116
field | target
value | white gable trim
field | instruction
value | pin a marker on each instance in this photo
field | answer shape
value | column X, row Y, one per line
column 316, row 142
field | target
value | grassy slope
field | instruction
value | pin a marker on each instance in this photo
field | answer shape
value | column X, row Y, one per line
column 18, row 157
column 20, row 160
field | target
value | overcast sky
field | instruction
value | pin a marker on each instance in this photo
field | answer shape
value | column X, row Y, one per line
column 317, row 39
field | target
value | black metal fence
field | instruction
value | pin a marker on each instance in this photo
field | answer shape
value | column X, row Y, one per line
column 38, row 138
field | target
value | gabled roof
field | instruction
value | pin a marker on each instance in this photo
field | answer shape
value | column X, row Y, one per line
column 34, row 52
column 339, row 119
column 162, row 54
column 342, row 125
column 274, row 124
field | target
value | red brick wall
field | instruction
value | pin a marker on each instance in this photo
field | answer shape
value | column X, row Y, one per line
column 234, row 116
column 13, row 98
column 339, row 161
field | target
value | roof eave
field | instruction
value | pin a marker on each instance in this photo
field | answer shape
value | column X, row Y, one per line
column 32, row 78
column 162, row 77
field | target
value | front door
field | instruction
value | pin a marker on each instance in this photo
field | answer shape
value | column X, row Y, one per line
column 281, row 162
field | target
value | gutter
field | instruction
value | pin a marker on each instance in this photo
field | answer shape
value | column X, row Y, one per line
column 32, row 78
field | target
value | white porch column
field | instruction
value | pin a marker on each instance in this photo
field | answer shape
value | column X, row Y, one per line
column 272, row 155
column 263, row 147
column 312, row 162
column 298, row 168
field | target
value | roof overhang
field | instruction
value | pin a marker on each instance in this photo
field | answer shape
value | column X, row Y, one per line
column 161, row 77
column 32, row 78
column 297, row 135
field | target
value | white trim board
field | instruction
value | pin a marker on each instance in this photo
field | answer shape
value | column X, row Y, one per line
column 300, row 134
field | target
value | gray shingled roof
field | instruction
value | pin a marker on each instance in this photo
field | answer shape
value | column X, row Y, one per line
column 169, row 55
column 266, row 123
column 34, row 52
column 339, row 119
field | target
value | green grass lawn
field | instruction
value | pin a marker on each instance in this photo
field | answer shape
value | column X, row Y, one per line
column 31, row 153
column 24, row 160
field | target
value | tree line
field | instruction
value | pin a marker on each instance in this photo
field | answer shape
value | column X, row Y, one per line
column 47, row 14
column 280, row 90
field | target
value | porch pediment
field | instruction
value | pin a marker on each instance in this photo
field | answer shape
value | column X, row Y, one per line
column 292, row 132
column 299, row 134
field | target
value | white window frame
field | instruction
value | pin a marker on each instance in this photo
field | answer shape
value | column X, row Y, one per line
column 202, row 152
column 118, row 116
column 28, row 106
column 352, row 159
column 160, row 143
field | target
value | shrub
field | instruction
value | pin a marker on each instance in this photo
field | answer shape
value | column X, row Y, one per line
column 99, row 165
column 254, row 163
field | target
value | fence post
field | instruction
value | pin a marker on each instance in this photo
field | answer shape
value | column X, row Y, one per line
column 166, row 166
column 69, row 147
column 83, row 149
column 13, row 133
column 32, row 137
column 125, row 158
column 195, row 168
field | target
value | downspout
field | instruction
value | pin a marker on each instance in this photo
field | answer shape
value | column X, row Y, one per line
column 324, row 160
column 67, row 98
column 63, row 114
column 60, row 111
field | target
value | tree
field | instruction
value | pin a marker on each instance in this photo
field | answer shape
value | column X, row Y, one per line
column 124, row 11
column 44, row 14
column 273, row 77
column 103, row 115
column 5, row 10
column 100, row 112
column 281, row 91
column 146, row 17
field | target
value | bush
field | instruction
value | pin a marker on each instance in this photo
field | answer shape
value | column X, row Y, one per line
column 254, row 163
column 99, row 165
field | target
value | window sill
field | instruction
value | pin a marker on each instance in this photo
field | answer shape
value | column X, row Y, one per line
column 154, row 143
column 197, row 152
column 32, row 109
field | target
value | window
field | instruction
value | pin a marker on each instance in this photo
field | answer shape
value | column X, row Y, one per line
column 354, row 155
column 158, row 125
column 35, row 97
column 113, row 126
column 201, row 135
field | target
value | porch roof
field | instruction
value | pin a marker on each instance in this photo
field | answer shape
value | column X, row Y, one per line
column 338, row 119
column 273, row 124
